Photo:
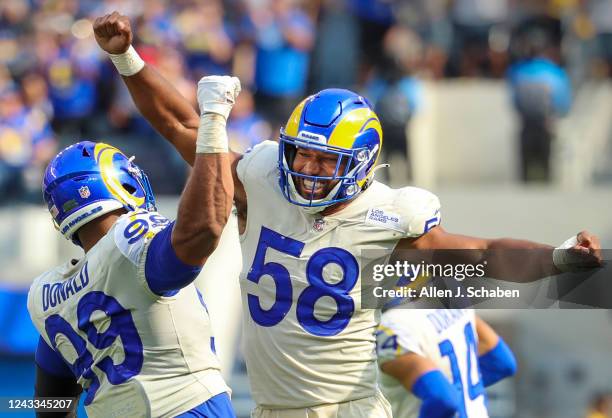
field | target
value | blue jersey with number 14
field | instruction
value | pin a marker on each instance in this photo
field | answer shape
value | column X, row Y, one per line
column 137, row 353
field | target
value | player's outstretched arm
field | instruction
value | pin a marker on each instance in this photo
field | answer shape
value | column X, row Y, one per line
column 420, row 376
column 206, row 202
column 495, row 359
column 513, row 259
column 156, row 99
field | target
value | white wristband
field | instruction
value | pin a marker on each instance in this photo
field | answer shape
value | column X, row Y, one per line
column 128, row 63
column 562, row 259
column 212, row 136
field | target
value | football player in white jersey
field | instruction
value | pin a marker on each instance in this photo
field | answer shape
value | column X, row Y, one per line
column 308, row 207
column 125, row 322
column 443, row 358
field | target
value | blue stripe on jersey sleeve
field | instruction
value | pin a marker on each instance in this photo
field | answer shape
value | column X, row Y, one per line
column 50, row 361
column 497, row 364
column 440, row 398
column 218, row 406
column 165, row 273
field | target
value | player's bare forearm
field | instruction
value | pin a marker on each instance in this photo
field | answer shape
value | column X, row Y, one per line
column 165, row 109
column 495, row 358
column 206, row 202
column 174, row 118
column 506, row 258
column 204, row 208
column 169, row 113
column 439, row 239
column 158, row 101
column 420, row 376
column 407, row 368
column 518, row 260
column 487, row 337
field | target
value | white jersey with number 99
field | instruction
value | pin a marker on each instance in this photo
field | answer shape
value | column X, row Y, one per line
column 136, row 353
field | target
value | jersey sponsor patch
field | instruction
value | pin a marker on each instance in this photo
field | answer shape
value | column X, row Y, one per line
column 386, row 219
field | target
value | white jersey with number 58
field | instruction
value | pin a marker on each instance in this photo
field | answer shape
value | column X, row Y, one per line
column 307, row 340
column 448, row 338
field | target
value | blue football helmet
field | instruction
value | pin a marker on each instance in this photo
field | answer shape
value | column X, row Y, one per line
column 87, row 180
column 338, row 122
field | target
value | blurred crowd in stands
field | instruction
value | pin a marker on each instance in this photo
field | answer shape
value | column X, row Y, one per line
column 601, row 406
column 57, row 87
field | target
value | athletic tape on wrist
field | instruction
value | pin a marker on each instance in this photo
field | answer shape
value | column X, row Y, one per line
column 561, row 257
column 212, row 135
column 128, row 63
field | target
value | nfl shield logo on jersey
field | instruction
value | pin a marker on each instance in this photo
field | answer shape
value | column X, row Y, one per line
column 318, row 224
column 84, row 192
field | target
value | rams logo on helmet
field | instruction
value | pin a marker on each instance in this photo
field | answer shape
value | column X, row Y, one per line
column 87, row 180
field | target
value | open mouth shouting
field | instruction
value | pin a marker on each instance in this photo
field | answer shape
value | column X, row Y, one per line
column 310, row 188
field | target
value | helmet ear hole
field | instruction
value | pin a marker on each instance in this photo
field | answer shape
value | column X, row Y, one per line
column 130, row 189
column 290, row 152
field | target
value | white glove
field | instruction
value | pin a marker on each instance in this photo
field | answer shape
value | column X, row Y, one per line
column 216, row 97
column 217, row 94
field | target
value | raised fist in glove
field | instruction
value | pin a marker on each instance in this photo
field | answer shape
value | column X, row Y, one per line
column 217, row 94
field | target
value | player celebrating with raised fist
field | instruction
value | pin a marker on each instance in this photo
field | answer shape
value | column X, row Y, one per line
column 308, row 206
column 125, row 322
